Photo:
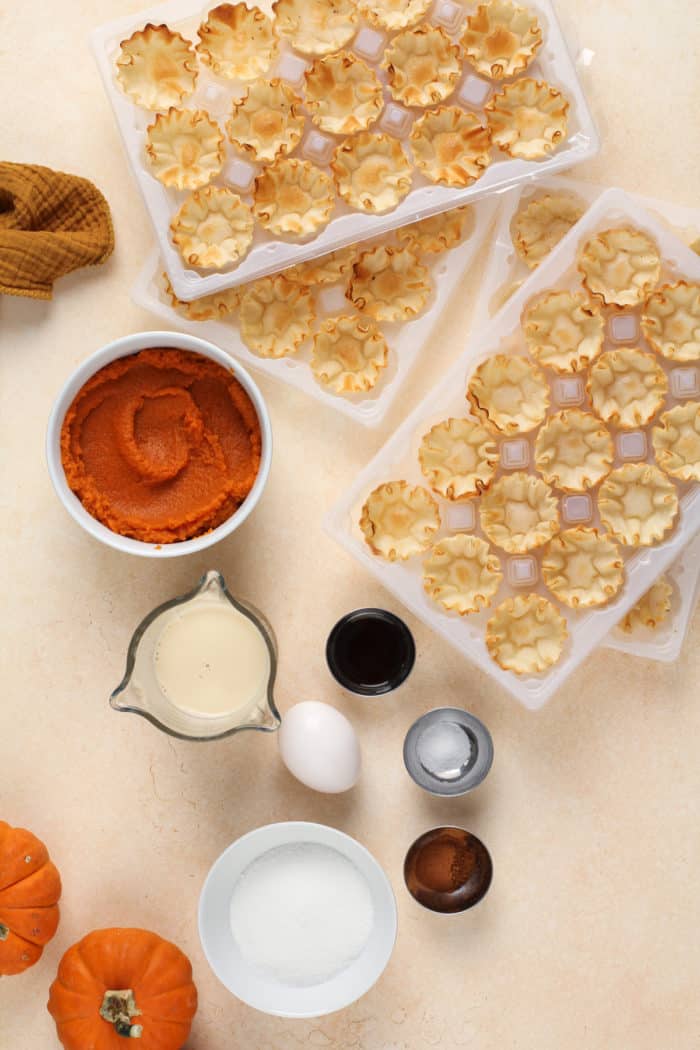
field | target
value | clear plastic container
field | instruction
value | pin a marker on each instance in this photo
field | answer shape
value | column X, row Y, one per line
column 398, row 460
column 503, row 272
column 347, row 226
column 406, row 340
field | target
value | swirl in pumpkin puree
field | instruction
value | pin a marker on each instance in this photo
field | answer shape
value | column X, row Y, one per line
column 163, row 445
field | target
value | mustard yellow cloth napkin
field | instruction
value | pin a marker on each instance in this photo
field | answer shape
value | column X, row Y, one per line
column 50, row 224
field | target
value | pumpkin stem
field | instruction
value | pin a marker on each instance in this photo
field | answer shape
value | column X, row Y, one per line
column 118, row 1007
column 4, row 932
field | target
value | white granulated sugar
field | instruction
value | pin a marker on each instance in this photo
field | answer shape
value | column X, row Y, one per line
column 301, row 913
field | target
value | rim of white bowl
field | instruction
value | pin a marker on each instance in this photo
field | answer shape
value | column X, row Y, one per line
column 253, row 989
column 123, row 347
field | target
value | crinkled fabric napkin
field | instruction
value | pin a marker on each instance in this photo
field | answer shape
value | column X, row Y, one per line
column 50, row 224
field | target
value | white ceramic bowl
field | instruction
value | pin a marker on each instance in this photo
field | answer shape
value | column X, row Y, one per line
column 131, row 344
column 265, row 993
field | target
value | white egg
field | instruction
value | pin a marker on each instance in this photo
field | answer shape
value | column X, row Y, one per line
column 319, row 747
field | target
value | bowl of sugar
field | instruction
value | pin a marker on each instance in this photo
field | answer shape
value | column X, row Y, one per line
column 297, row 919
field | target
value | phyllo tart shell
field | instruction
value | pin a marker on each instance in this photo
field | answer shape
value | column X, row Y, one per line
column 372, row 172
column 528, row 118
column 540, row 224
column 583, row 568
column 327, row 269
column 563, row 330
column 438, row 233
column 393, row 14
column 212, row 307
column 349, row 353
column 651, row 610
column 509, row 392
column 501, row 39
column 343, row 94
column 316, row 27
column 627, row 387
column 276, row 316
column 638, row 504
column 620, row 265
column 459, row 458
column 462, row 574
column 267, row 120
column 293, row 198
column 213, row 228
column 389, row 284
column 398, row 520
column 671, row 321
column 519, row 512
column 237, row 42
column 422, row 66
column 676, row 440
column 156, row 67
column 185, row 148
column 451, row 146
column 526, row 634
column 573, row 450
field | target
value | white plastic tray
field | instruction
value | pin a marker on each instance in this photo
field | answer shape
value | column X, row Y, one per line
column 405, row 341
column 553, row 64
column 398, row 459
column 503, row 269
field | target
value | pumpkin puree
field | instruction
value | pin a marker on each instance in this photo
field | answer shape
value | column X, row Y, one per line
column 163, row 445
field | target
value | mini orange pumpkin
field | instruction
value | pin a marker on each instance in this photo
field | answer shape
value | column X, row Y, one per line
column 30, row 887
column 123, row 983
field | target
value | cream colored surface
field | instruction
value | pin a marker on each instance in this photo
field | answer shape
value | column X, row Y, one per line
column 588, row 937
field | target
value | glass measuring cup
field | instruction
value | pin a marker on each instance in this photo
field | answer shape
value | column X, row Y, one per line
column 140, row 693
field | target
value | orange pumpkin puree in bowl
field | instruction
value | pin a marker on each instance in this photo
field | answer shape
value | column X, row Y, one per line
column 162, row 445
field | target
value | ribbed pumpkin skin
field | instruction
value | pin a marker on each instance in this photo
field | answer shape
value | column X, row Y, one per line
column 156, row 971
column 30, row 888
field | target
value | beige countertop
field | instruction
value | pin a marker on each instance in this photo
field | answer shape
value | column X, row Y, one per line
column 588, row 937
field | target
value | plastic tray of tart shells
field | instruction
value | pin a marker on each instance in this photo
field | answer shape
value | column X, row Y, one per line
column 517, row 529
column 530, row 222
column 440, row 259
column 381, row 177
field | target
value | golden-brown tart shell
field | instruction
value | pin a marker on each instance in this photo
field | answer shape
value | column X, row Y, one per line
column 651, row 610
column 459, row 457
column 343, row 94
column 541, row 222
column 185, row 148
column 573, row 450
column 676, row 440
column 528, row 119
column 237, row 42
column 519, row 512
column 276, row 316
column 213, row 228
column 389, row 284
column 398, row 520
column 372, row 172
column 627, row 387
column 620, row 265
column 583, row 568
column 462, row 574
column 501, row 39
column 422, row 66
column 267, row 121
column 671, row 321
column 349, row 354
column 509, row 392
column 156, row 67
column 526, row 634
column 638, row 504
column 293, row 198
column 451, row 146
column 563, row 330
